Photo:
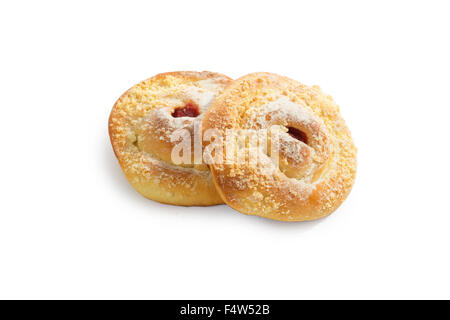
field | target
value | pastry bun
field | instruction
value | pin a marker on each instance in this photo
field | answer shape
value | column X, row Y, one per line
column 316, row 159
column 141, row 127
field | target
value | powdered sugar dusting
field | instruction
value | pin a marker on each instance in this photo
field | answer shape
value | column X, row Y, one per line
column 296, row 159
column 281, row 111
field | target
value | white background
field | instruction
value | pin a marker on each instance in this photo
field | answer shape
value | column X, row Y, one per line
column 72, row 227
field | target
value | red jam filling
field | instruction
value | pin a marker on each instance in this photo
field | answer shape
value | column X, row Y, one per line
column 298, row 134
column 189, row 110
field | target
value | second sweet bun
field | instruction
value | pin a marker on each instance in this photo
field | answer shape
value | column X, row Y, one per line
column 316, row 155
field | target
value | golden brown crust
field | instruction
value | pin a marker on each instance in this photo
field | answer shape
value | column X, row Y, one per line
column 311, row 179
column 140, row 126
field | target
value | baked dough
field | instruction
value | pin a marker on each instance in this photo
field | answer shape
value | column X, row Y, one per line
column 140, row 127
column 316, row 156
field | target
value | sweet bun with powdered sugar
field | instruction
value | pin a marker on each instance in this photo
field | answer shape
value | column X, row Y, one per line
column 141, row 128
column 315, row 165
